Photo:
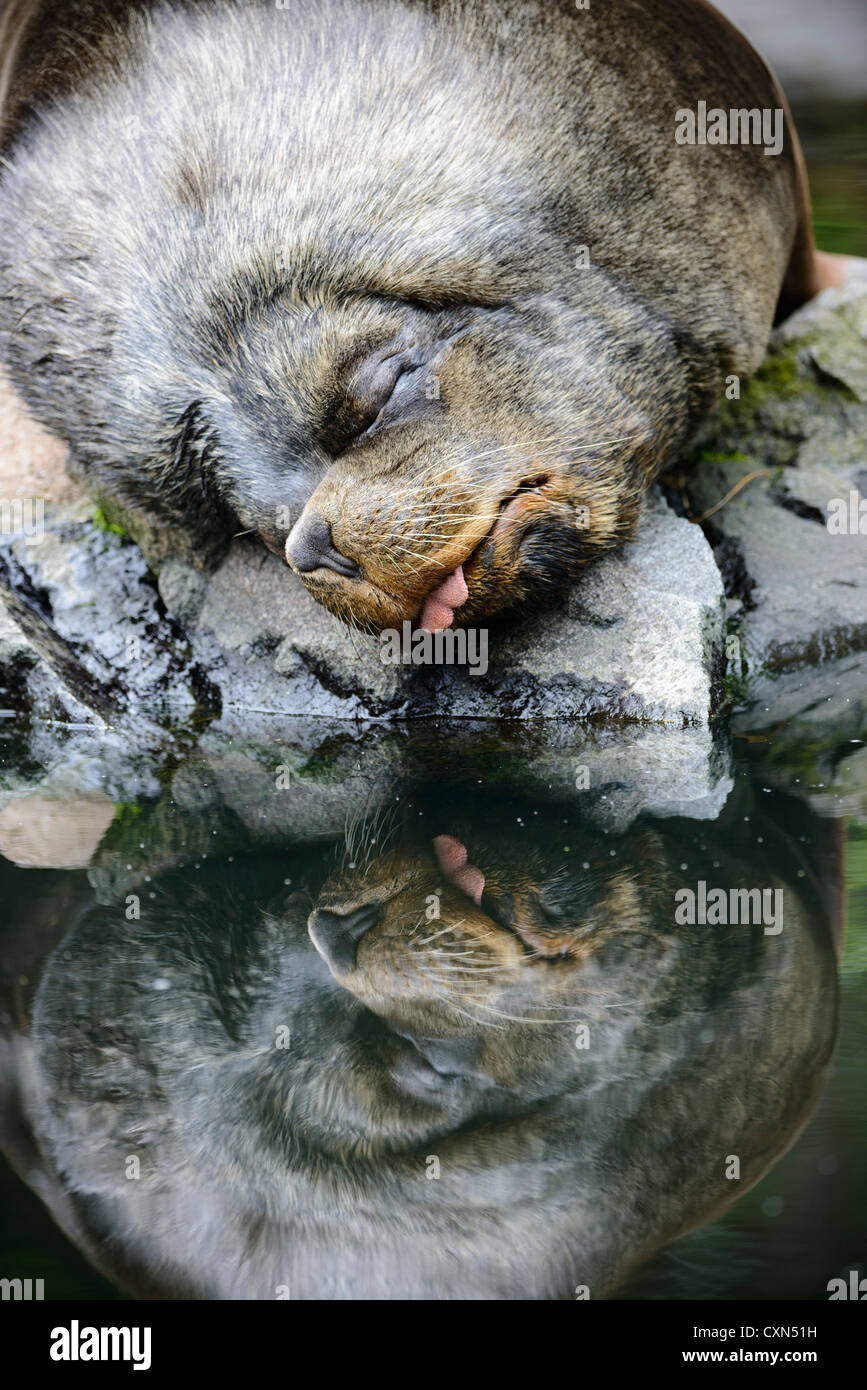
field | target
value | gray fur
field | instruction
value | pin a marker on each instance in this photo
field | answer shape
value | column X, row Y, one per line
column 212, row 213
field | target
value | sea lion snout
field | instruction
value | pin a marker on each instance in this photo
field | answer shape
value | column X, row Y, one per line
column 379, row 549
column 444, row 548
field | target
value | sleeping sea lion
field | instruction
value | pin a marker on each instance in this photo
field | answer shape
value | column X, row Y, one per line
column 424, row 292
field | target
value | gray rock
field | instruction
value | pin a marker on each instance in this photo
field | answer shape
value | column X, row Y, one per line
column 17, row 659
column 641, row 639
column 182, row 590
column 796, row 442
column 303, row 661
column 101, row 644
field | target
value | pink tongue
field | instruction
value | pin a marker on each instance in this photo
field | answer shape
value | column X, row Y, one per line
column 439, row 607
column 452, row 859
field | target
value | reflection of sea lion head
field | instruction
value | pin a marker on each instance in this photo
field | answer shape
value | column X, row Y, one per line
column 539, row 1107
column 461, row 956
column 429, row 318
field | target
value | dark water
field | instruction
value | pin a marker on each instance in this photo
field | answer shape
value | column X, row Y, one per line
column 423, row 1013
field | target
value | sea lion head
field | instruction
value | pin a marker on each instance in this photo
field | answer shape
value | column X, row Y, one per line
column 440, row 940
column 462, row 480
column 428, row 320
column 429, row 462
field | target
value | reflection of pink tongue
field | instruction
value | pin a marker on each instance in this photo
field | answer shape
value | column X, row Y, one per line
column 439, row 607
column 452, row 859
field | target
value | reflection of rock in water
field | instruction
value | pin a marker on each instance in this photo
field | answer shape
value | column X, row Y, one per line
column 417, row 1120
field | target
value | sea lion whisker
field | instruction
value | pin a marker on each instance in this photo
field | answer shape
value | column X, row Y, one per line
column 446, row 996
column 522, row 1018
column 426, row 940
column 445, row 953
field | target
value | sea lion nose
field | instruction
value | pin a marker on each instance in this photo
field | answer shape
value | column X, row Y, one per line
column 336, row 934
column 310, row 547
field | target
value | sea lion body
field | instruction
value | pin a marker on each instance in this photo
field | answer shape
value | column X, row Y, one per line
column 425, row 293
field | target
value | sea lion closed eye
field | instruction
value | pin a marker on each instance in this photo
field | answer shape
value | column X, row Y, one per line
column 425, row 294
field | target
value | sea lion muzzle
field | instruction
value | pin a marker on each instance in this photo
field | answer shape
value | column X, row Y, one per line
column 417, row 554
column 310, row 547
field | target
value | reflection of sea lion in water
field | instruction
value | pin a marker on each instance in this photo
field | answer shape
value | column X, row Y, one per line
column 266, row 1165
column 434, row 282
